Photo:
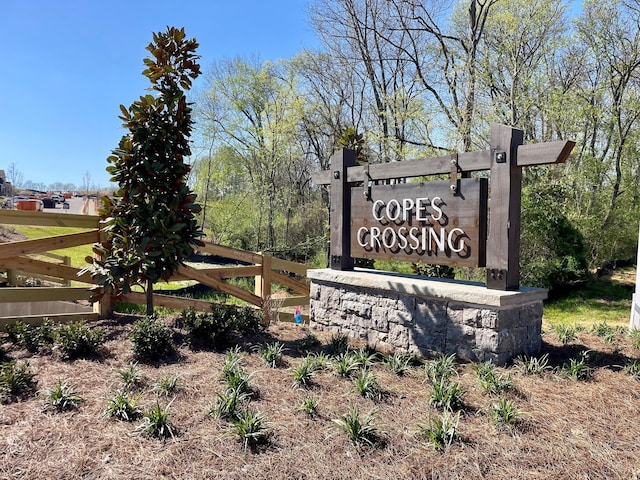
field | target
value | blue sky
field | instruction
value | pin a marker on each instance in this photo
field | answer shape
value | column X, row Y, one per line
column 67, row 65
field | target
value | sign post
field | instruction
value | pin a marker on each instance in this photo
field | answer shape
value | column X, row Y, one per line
column 634, row 322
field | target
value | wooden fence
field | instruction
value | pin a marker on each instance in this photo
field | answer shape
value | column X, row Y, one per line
column 32, row 258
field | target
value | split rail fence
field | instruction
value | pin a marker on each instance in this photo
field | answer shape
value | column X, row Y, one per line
column 32, row 258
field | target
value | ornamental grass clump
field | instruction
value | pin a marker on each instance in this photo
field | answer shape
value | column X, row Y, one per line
column 123, row 406
column 360, row 430
column 338, row 344
column 527, row 365
column 367, row 385
column 346, row 364
column 310, row 405
column 441, row 431
column 271, row 353
column 578, row 368
column 166, row 386
column 251, row 428
column 566, row 333
column 227, row 404
column 156, row 423
column 440, row 368
column 61, row 397
column 490, row 380
column 399, row 363
column 446, row 395
column 303, row 374
column 131, row 377
column 504, row 412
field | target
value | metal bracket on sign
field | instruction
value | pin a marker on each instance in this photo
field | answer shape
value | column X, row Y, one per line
column 368, row 183
column 500, row 156
column 455, row 168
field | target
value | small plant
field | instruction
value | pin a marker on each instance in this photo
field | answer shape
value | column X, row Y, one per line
column 16, row 381
column 633, row 368
column 155, row 422
column 635, row 338
column 130, row 376
column 168, row 385
column 218, row 327
column 346, row 364
column 504, row 412
column 227, row 404
column 338, row 344
column 578, row 368
column 360, row 431
column 566, row 333
column 367, row 357
column 605, row 331
column 76, row 340
column 440, row 368
column 233, row 360
column 399, row 363
column 123, row 406
column 252, row 429
column 309, row 342
column 319, row 361
column 61, row 397
column 532, row 365
column 303, row 373
column 491, row 381
column 271, row 353
column 310, row 405
column 446, row 395
column 367, row 385
column 441, row 431
column 35, row 338
column 151, row 339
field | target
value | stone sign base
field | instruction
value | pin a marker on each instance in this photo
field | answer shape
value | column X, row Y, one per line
column 427, row 316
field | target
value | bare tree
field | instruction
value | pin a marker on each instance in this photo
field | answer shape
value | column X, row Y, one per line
column 14, row 175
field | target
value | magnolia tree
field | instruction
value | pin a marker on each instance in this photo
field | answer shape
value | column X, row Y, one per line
column 151, row 225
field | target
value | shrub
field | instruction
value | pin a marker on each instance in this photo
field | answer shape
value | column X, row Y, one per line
column 271, row 353
column 151, row 339
column 446, row 395
column 504, row 412
column 440, row 368
column 218, row 327
column 360, row 431
column 16, row 381
column 35, row 338
column 251, row 428
column 61, row 397
column 76, row 339
column 123, row 406
column 441, row 431
column 155, row 422
column 532, row 365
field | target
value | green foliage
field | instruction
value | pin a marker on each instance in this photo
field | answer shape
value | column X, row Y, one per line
column 62, row 397
column 338, row 344
column 504, row 412
column 440, row 368
column 441, row 431
column 446, row 395
column 633, row 368
column 271, row 353
column 16, row 381
column 228, row 403
column 578, row 368
column 35, row 338
column 635, row 337
column 235, row 376
column 309, row 342
column 168, row 385
column 303, row 373
column 437, row 271
column 150, row 339
column 217, row 328
column 346, row 364
column 366, row 357
column 605, row 331
column 251, row 428
column 156, row 423
column 77, row 339
column 490, row 380
column 131, row 376
column 532, row 365
column 566, row 333
column 123, row 406
column 310, row 404
column 152, row 226
column 367, row 385
column 399, row 363
column 359, row 430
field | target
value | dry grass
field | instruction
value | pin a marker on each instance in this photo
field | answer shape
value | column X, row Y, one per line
column 572, row 430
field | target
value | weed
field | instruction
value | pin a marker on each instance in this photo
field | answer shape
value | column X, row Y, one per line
column 309, row 342
column 131, row 376
column 441, row 431
column 271, row 353
column 338, row 344
column 251, row 428
column 155, row 422
column 566, row 333
column 303, row 373
column 151, row 339
column 446, row 395
column 310, row 405
column 367, row 385
column 399, row 363
column 76, row 339
column 123, row 406
column 504, row 412
column 491, row 381
column 440, row 368
column 346, row 364
column 166, row 386
column 532, row 365
column 16, row 381
column 61, row 397
column 227, row 404
column 360, row 431
column 577, row 368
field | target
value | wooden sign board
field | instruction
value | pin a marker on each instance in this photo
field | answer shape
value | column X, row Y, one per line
column 428, row 222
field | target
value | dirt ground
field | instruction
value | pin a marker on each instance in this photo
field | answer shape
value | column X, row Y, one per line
column 571, row 429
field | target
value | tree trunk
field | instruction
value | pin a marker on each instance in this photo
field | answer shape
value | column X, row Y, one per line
column 149, row 298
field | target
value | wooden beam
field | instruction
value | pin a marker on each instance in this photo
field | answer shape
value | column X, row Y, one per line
column 71, row 220
column 287, row 266
column 25, row 247
column 43, row 294
column 233, row 253
column 169, row 301
column 39, row 267
column 290, row 283
column 294, row 301
column 55, row 317
column 544, row 153
column 340, row 214
column 195, row 274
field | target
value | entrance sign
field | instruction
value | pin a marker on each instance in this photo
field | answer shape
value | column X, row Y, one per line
column 428, row 222
column 408, row 225
column 634, row 323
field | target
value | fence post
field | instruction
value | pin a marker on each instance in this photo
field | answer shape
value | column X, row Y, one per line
column 104, row 306
column 340, row 218
column 262, row 287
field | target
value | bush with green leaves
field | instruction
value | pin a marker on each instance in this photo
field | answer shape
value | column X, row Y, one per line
column 151, row 340
column 360, row 430
column 156, row 423
column 441, row 431
column 16, row 381
column 252, row 428
column 61, row 397
column 35, row 338
column 77, row 340
column 446, row 395
column 218, row 328
column 123, row 406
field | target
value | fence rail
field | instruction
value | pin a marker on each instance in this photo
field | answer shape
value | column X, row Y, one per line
column 20, row 256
